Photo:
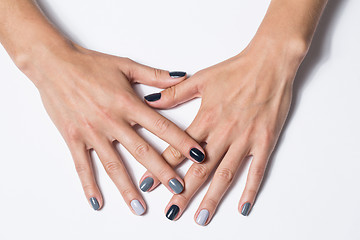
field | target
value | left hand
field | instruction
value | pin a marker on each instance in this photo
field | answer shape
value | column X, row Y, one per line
column 245, row 101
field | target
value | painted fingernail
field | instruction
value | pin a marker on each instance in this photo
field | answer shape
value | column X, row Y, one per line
column 197, row 155
column 245, row 209
column 94, row 203
column 172, row 212
column 177, row 74
column 146, row 184
column 176, row 186
column 153, row 97
column 202, row 217
column 137, row 207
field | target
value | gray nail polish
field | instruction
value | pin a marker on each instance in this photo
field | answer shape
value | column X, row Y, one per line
column 137, row 207
column 245, row 209
column 176, row 186
column 202, row 217
column 146, row 184
column 94, row 203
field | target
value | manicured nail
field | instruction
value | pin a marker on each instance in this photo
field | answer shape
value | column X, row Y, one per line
column 153, row 97
column 94, row 203
column 172, row 212
column 177, row 74
column 176, row 186
column 202, row 217
column 146, row 184
column 197, row 155
column 245, row 209
column 137, row 207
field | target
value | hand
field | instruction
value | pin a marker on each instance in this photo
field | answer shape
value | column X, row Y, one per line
column 245, row 101
column 89, row 97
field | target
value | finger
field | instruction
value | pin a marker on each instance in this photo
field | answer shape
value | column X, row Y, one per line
column 174, row 95
column 220, row 183
column 84, row 169
column 139, row 73
column 253, row 182
column 118, row 174
column 150, row 159
column 194, row 179
column 170, row 133
column 149, row 182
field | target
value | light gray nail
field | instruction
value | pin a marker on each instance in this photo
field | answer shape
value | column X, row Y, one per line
column 94, row 203
column 202, row 217
column 137, row 207
column 176, row 186
column 245, row 209
column 146, row 184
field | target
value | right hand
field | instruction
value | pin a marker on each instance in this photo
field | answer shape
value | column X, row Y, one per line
column 89, row 97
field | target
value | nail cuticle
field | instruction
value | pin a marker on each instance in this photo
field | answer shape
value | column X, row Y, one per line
column 245, row 209
column 177, row 74
column 172, row 212
column 137, row 207
column 197, row 155
column 176, row 186
column 153, row 97
column 146, row 184
column 94, row 203
column 202, row 217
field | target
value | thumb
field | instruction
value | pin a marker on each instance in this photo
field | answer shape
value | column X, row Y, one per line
column 139, row 73
column 174, row 95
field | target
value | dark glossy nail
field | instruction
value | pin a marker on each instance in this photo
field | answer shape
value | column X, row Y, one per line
column 172, row 212
column 94, row 203
column 176, row 186
column 245, row 209
column 146, row 184
column 153, row 97
column 177, row 74
column 197, row 155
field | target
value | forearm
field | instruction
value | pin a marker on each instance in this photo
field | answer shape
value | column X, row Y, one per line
column 25, row 32
column 291, row 24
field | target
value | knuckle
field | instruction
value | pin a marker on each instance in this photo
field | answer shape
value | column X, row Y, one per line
column 142, row 149
column 163, row 173
column 81, row 168
column 112, row 167
column 157, row 73
column 88, row 188
column 225, row 174
column 181, row 198
column 212, row 203
column 161, row 125
column 175, row 153
column 72, row 133
column 257, row 172
column 171, row 92
column 126, row 192
column 199, row 171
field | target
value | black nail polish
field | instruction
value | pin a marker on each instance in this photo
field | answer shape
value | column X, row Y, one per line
column 245, row 209
column 197, row 155
column 94, row 203
column 177, row 74
column 172, row 212
column 153, row 97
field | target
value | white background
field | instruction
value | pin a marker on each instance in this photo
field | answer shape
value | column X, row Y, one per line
column 312, row 187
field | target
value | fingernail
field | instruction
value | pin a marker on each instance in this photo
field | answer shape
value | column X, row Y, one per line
column 177, row 74
column 172, row 212
column 202, row 217
column 137, row 207
column 94, row 203
column 176, row 186
column 146, row 184
column 245, row 209
column 197, row 155
column 153, row 97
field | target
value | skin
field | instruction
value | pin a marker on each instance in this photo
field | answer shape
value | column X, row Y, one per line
column 90, row 99
column 245, row 102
